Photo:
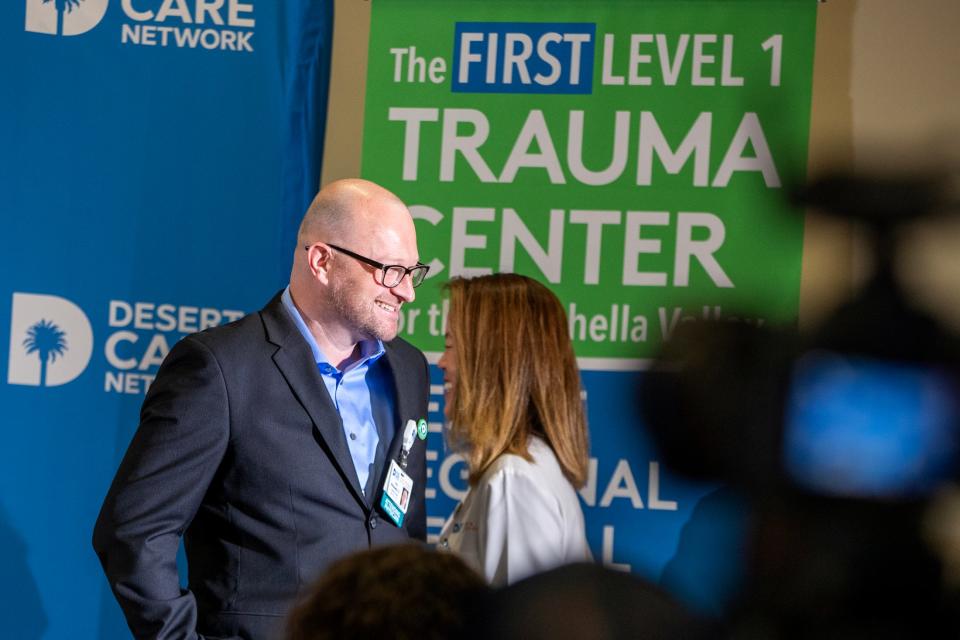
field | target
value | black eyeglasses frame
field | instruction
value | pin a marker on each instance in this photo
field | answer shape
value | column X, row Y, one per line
column 417, row 272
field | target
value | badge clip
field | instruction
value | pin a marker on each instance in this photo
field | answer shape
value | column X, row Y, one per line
column 409, row 433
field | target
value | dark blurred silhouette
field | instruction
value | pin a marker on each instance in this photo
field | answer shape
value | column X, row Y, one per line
column 585, row 601
column 839, row 438
column 407, row 592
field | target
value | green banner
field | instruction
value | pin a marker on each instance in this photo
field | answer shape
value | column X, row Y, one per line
column 634, row 156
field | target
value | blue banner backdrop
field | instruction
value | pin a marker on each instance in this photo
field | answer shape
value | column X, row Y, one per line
column 155, row 158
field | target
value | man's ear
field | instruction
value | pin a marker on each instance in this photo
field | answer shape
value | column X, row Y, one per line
column 318, row 260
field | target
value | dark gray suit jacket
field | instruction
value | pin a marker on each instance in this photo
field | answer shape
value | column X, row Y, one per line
column 241, row 451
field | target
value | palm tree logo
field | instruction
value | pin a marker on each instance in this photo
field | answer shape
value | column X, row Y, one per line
column 47, row 341
column 61, row 6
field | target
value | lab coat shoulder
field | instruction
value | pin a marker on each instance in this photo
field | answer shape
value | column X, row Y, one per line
column 533, row 519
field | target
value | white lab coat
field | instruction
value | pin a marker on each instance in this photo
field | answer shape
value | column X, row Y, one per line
column 521, row 518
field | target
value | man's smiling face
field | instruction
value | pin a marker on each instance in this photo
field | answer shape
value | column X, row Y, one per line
column 366, row 307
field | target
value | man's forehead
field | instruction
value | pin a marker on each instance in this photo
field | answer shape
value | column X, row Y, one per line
column 378, row 207
column 395, row 242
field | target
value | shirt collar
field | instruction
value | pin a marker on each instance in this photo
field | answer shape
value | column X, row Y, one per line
column 370, row 350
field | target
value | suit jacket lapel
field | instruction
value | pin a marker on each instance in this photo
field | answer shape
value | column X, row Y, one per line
column 405, row 407
column 295, row 361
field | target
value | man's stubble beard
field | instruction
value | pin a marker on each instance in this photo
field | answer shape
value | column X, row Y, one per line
column 360, row 316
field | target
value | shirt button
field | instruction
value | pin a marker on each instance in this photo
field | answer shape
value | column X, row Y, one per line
column 353, row 436
column 456, row 527
column 444, row 543
column 373, row 521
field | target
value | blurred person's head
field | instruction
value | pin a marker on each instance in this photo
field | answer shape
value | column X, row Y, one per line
column 401, row 591
column 510, row 373
column 586, row 601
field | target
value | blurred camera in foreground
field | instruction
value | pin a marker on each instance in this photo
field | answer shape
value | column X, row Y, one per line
column 841, row 438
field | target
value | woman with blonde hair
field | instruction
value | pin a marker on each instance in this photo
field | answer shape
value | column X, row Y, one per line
column 514, row 411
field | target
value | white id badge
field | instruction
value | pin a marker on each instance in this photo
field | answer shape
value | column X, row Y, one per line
column 397, row 493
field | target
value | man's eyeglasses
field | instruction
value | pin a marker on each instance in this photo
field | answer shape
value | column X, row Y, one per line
column 391, row 275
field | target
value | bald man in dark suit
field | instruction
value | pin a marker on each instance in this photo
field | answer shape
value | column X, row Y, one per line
column 266, row 443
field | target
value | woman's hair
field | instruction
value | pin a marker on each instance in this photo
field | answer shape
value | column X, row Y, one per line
column 516, row 374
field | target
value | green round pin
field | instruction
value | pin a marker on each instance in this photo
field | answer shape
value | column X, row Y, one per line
column 422, row 429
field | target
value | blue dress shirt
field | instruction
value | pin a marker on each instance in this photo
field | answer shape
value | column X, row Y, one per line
column 364, row 397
